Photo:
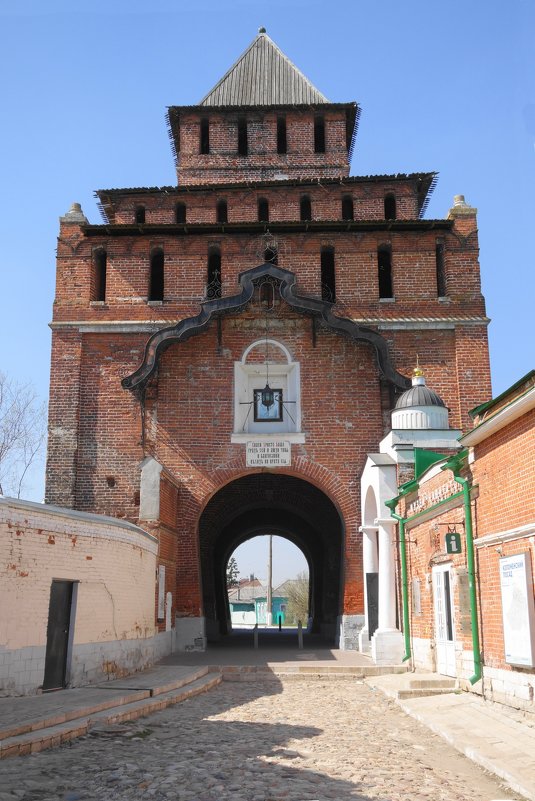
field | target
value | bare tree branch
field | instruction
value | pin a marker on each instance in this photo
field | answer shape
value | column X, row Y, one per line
column 22, row 434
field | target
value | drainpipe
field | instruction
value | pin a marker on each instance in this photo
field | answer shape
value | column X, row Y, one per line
column 454, row 465
column 404, row 583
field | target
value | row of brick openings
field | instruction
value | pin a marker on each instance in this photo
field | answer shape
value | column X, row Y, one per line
column 242, row 138
column 156, row 290
column 305, row 210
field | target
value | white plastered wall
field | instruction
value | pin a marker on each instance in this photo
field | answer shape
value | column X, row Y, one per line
column 113, row 564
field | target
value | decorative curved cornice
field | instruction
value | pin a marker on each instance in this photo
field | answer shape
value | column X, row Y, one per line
column 314, row 307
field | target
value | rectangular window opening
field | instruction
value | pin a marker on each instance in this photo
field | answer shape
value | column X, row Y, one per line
column 440, row 268
column 243, row 144
column 282, row 143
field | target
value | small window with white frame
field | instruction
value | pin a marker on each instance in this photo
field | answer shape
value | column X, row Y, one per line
column 267, row 393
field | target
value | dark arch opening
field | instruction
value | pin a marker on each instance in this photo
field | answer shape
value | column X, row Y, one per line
column 204, row 138
column 384, row 268
column 272, row 503
column 347, row 207
column 156, row 282
column 213, row 275
column 100, row 268
column 319, row 134
column 271, row 255
column 282, row 145
column 222, row 211
column 243, row 142
column 305, row 208
column 263, row 210
column 180, row 213
column 140, row 215
column 390, row 207
column 328, row 275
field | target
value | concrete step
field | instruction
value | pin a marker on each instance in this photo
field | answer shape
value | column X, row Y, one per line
column 54, row 735
column 158, row 681
column 289, row 671
column 437, row 682
column 57, row 718
column 289, row 676
column 423, row 692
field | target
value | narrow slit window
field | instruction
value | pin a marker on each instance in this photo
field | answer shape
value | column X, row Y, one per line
column 282, row 143
column 441, row 270
column 305, row 209
column 347, row 207
column 156, row 282
column 204, row 143
column 180, row 213
column 390, row 207
column 271, row 255
column 384, row 264
column 140, row 215
column 319, row 135
column 213, row 288
column 222, row 211
column 263, row 210
column 100, row 267
column 328, row 280
column 243, row 144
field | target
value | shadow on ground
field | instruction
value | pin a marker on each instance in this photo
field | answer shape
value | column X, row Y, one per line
column 185, row 754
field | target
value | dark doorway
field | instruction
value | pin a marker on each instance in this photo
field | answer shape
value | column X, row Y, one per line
column 278, row 504
column 372, row 598
column 57, row 635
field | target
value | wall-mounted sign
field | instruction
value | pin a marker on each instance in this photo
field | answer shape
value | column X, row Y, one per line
column 269, row 453
column 518, row 610
column 161, row 592
column 453, row 542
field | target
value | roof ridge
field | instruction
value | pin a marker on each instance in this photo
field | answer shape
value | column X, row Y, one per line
column 259, row 38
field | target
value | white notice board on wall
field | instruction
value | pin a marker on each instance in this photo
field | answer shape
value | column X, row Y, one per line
column 161, row 592
column 518, row 610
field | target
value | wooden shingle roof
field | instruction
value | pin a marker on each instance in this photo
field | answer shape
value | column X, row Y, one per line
column 263, row 76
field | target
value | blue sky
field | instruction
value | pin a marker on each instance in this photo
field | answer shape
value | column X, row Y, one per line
column 446, row 87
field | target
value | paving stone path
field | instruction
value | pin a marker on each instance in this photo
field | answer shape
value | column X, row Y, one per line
column 270, row 741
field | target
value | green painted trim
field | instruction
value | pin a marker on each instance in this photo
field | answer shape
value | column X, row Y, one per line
column 483, row 407
column 404, row 580
column 423, row 460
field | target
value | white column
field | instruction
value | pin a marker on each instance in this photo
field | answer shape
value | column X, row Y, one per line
column 387, row 642
column 369, row 563
column 387, row 575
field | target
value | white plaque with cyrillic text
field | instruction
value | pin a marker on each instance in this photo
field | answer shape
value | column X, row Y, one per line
column 269, row 453
column 518, row 609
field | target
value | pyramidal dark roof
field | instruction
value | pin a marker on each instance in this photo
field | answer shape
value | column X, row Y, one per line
column 263, row 76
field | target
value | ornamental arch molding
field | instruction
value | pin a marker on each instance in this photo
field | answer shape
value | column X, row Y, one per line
column 320, row 310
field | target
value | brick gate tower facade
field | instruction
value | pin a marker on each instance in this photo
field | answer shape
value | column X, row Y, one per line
column 226, row 351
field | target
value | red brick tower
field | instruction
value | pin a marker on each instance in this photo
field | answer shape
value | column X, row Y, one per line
column 227, row 351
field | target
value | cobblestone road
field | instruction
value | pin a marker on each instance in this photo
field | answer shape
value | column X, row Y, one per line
column 271, row 741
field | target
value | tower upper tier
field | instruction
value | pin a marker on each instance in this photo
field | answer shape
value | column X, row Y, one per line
column 264, row 120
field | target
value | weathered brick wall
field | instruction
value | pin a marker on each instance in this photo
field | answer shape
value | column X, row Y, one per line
column 223, row 164
column 504, row 470
column 284, row 202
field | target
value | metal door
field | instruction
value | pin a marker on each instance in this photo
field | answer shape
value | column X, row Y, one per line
column 444, row 623
column 57, row 635
column 372, row 601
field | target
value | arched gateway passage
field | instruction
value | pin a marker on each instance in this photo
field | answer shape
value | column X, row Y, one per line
column 271, row 503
